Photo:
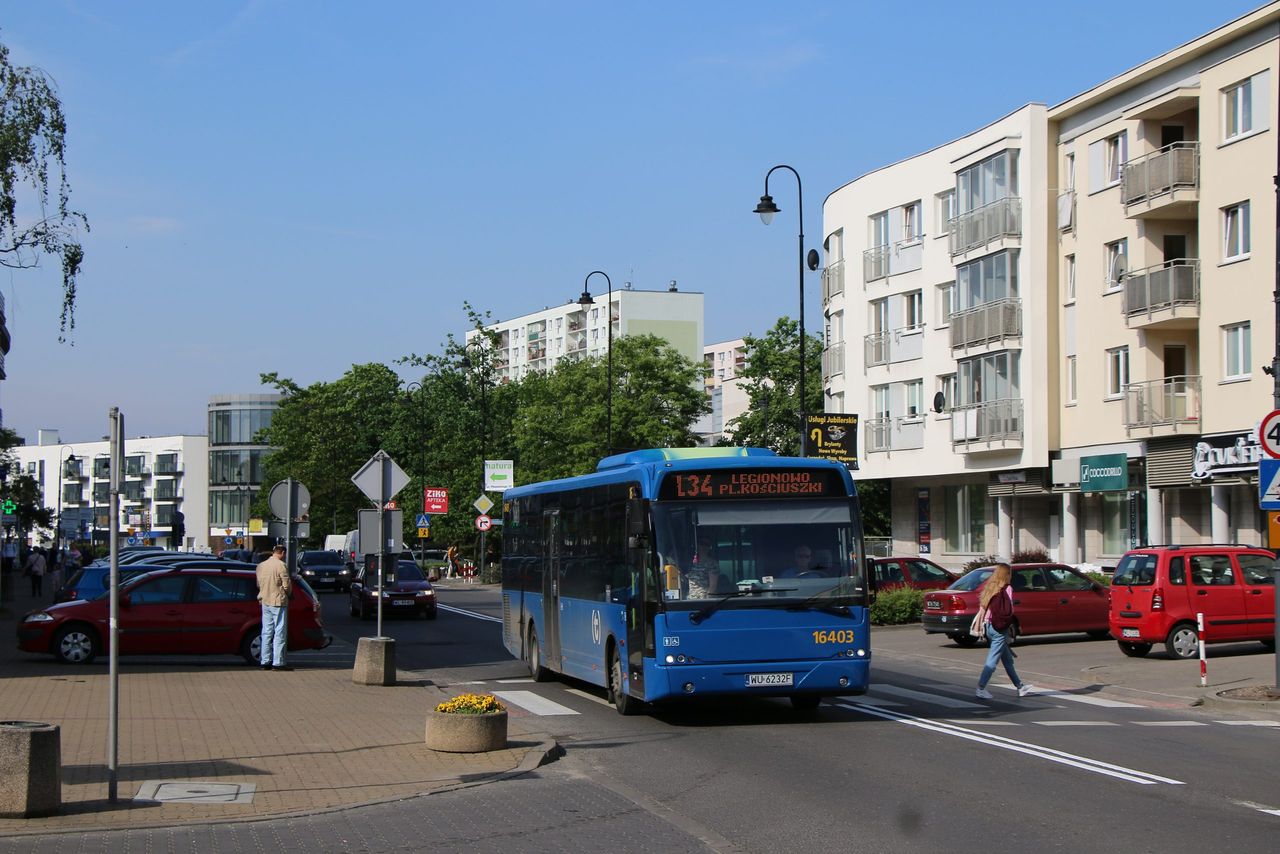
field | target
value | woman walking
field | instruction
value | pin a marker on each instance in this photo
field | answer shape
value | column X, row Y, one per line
column 996, row 600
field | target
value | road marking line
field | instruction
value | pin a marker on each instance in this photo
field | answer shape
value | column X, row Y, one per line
column 588, row 695
column 464, row 612
column 876, row 701
column 534, row 704
column 1074, row 723
column 514, row 681
column 1168, row 723
column 1079, row 698
column 1059, row 756
column 972, row 722
column 936, row 699
column 1259, row 807
column 1249, row 723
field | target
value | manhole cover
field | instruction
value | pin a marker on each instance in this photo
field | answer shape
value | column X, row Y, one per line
column 189, row 792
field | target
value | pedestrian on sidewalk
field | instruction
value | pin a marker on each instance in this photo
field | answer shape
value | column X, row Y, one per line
column 451, row 557
column 996, row 599
column 273, row 593
column 35, row 568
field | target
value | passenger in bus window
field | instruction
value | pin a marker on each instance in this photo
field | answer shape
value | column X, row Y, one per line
column 703, row 576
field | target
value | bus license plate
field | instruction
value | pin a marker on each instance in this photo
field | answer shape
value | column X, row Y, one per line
column 767, row 680
column 1129, row 633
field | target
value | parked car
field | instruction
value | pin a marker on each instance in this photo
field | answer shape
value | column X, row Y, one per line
column 1156, row 593
column 915, row 572
column 1048, row 598
column 324, row 568
column 245, row 555
column 92, row 581
column 173, row 612
column 409, row 593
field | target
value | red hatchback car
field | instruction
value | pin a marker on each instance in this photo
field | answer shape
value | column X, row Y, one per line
column 173, row 612
column 1048, row 598
column 914, row 572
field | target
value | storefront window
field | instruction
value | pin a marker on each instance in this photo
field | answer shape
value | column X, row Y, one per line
column 966, row 512
column 1115, row 523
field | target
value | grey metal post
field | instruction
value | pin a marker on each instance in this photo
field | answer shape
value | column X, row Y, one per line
column 384, row 492
column 290, row 555
column 113, row 630
column 1275, row 380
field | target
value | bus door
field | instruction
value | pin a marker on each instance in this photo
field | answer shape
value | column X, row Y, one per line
column 642, row 589
column 550, row 628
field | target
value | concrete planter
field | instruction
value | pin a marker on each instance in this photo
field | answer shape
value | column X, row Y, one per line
column 30, row 769
column 451, row 732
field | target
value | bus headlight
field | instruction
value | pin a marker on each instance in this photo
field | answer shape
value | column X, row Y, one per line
column 671, row 659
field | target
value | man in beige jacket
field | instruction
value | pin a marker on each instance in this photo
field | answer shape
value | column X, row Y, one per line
column 273, row 592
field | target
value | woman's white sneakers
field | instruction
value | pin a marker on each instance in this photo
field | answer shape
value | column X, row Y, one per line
column 1025, row 688
column 984, row 694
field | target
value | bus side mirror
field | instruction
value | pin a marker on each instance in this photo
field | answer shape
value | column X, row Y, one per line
column 637, row 517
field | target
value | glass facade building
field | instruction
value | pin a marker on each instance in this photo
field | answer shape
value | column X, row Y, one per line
column 236, row 455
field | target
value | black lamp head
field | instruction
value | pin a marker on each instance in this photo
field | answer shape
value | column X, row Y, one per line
column 766, row 209
column 586, row 299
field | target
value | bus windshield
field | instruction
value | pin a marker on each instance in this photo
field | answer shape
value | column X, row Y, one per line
column 758, row 552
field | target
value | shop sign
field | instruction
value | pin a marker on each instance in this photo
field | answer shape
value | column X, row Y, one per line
column 1012, row 477
column 924, row 531
column 1104, row 473
column 1216, row 455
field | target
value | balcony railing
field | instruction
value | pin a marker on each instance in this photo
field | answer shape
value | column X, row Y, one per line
column 832, row 281
column 875, row 262
column 989, row 422
column 1174, row 167
column 876, row 349
column 1166, row 287
column 833, row 361
column 1172, row 402
column 992, row 321
column 980, row 226
column 879, row 434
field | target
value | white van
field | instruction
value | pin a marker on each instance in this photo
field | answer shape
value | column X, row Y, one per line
column 351, row 548
column 335, row 542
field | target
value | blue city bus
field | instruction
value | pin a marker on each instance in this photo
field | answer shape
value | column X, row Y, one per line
column 691, row 572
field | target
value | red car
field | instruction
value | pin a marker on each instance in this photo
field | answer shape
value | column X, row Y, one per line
column 173, row 612
column 1048, row 598
column 914, row 572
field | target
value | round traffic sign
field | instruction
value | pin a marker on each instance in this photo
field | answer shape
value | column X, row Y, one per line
column 1269, row 434
column 483, row 523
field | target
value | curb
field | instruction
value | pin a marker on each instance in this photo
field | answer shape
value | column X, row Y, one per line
column 1219, row 703
column 545, row 752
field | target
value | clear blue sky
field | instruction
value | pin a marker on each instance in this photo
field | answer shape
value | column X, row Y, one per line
column 294, row 186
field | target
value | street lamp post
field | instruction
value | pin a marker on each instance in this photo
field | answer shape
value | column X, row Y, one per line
column 409, row 389
column 586, row 300
column 62, row 464
column 767, row 209
column 482, row 377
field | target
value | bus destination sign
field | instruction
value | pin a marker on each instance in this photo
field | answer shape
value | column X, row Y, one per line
column 751, row 483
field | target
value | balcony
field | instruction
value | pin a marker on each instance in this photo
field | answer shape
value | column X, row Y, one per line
column 894, row 434
column 992, row 425
column 832, row 281
column 137, row 471
column 995, row 221
column 894, row 345
column 986, row 323
column 1167, row 295
column 1163, row 407
column 875, row 263
column 880, row 262
column 876, row 349
column 879, row 435
column 1164, row 184
column 832, row 361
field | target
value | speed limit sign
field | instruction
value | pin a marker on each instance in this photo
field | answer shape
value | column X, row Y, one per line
column 1269, row 434
column 483, row 523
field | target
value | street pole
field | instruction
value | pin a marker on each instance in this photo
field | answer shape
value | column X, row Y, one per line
column 1275, row 399
column 766, row 209
column 113, row 631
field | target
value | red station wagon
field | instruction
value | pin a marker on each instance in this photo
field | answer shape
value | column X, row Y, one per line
column 1156, row 593
column 173, row 612
column 1048, row 598
column 915, row 572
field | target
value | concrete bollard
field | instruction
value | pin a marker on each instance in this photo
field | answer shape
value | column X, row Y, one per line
column 375, row 662
column 30, row 769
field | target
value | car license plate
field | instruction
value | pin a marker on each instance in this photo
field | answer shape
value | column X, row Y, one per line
column 402, row 602
column 929, row 603
column 765, row 680
column 1129, row 633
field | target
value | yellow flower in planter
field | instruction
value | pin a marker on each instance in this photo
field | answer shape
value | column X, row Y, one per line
column 471, row 704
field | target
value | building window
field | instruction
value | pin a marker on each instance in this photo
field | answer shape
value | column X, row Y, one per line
column 966, row 512
column 1114, row 250
column 946, row 303
column 913, row 309
column 1235, row 232
column 990, row 181
column 1069, row 277
column 987, row 280
column 879, row 228
column 1235, row 351
column 879, row 315
column 1117, row 371
column 911, row 222
column 880, row 401
column 946, row 211
column 1071, row 380
column 914, row 391
column 987, row 378
column 1114, row 150
column 947, row 387
column 1237, row 109
column 1115, row 523
column 1069, row 172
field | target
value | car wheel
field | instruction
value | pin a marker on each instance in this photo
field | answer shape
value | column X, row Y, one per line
column 1182, row 642
column 536, row 670
column 76, row 645
column 251, row 646
column 622, row 701
column 965, row 640
column 804, row 702
column 1100, row 634
column 1134, row 650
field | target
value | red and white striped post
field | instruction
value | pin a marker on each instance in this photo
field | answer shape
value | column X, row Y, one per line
column 1200, row 642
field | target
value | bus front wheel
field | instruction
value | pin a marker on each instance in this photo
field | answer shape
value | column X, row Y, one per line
column 536, row 670
column 622, row 701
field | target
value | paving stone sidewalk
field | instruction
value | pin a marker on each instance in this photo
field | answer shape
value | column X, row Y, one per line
column 308, row 740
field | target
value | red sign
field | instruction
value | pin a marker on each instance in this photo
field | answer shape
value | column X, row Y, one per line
column 483, row 523
column 435, row 500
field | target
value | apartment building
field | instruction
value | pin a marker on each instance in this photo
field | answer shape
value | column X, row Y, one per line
column 236, row 461
column 539, row 340
column 1165, row 266
column 939, row 325
column 723, row 361
column 162, row 474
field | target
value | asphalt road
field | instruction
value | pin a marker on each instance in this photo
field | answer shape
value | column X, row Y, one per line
column 916, row 765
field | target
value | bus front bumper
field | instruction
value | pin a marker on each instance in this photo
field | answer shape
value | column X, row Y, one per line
column 844, row 677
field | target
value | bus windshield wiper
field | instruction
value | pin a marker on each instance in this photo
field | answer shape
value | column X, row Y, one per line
column 702, row 613
column 832, row 592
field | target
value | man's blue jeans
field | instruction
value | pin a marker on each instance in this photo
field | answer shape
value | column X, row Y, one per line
column 275, row 633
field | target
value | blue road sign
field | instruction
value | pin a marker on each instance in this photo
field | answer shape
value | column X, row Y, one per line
column 228, row 540
column 1269, row 484
column 133, row 541
column 423, row 521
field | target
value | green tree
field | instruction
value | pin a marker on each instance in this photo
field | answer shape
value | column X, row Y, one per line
column 20, row 488
column 772, row 380
column 32, row 140
column 873, row 497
